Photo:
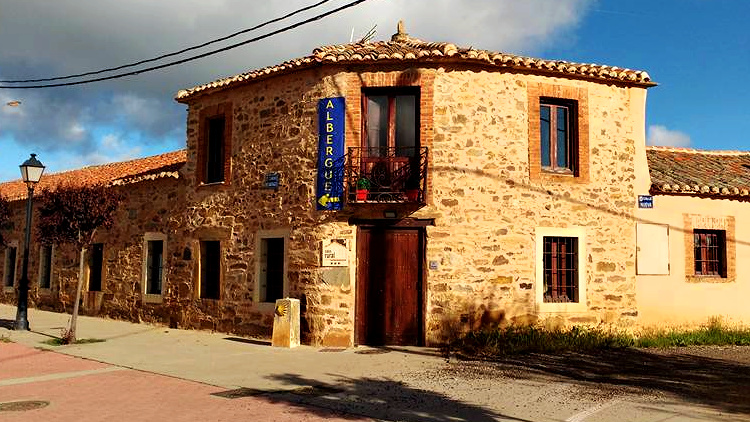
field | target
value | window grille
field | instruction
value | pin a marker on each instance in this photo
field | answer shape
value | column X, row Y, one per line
column 560, row 269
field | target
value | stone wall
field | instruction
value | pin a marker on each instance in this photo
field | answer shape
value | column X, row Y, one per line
column 149, row 206
column 487, row 205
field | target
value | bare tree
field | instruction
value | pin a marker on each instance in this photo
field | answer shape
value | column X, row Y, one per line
column 72, row 215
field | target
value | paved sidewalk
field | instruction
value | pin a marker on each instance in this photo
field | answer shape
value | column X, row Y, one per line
column 216, row 359
column 37, row 385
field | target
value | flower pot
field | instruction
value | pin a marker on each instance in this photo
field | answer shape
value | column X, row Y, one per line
column 362, row 194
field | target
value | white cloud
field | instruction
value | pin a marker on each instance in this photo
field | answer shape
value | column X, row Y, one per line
column 112, row 148
column 660, row 135
column 75, row 132
column 70, row 36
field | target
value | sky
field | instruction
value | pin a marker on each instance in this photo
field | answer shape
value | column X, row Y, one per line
column 698, row 51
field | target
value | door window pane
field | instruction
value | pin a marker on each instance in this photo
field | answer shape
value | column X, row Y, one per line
column 406, row 125
column 377, row 123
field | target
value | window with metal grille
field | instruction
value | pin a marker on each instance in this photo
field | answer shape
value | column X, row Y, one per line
column 560, row 269
column 710, row 252
column 558, row 149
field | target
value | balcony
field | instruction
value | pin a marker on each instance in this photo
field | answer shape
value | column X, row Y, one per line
column 386, row 175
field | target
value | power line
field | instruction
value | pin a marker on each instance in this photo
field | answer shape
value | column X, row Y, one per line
column 199, row 56
column 164, row 56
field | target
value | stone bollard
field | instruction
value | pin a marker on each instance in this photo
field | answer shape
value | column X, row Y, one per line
column 286, row 323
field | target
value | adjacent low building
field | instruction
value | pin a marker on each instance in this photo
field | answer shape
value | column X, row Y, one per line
column 694, row 244
column 403, row 190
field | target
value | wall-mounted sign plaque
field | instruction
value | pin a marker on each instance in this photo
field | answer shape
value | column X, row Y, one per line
column 645, row 201
column 335, row 253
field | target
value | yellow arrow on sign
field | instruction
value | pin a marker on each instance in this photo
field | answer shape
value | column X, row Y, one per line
column 325, row 199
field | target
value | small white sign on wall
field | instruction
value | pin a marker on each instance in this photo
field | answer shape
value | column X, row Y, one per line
column 334, row 253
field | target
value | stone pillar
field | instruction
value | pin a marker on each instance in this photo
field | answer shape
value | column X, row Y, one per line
column 286, row 323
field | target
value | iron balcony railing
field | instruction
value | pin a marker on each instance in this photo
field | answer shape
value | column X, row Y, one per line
column 390, row 175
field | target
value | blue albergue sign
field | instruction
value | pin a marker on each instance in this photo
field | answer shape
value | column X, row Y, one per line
column 645, row 201
column 330, row 187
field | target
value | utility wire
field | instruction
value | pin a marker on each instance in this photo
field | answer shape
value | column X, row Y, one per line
column 185, row 60
column 164, row 56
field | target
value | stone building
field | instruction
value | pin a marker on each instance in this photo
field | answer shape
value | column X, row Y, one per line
column 499, row 189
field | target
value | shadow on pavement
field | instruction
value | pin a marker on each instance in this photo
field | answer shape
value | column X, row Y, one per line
column 377, row 398
column 8, row 324
column 721, row 384
column 249, row 341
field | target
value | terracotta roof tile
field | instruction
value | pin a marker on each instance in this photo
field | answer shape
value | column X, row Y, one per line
column 404, row 48
column 157, row 166
column 683, row 171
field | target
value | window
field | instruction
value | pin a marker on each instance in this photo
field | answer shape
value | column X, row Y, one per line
column 271, row 269
column 215, row 150
column 154, row 266
column 560, row 269
column 10, row 266
column 214, row 144
column 96, row 265
column 710, row 252
column 558, row 133
column 210, row 281
column 558, row 150
column 45, row 266
column 560, row 280
column 392, row 122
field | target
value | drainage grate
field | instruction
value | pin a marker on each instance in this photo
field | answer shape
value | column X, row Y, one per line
column 332, row 349
column 20, row 406
column 308, row 390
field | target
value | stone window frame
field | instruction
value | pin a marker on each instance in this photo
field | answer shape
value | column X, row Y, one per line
column 541, row 92
column 6, row 264
column 547, row 307
column 53, row 250
column 710, row 222
column 205, row 115
column 284, row 233
column 145, row 296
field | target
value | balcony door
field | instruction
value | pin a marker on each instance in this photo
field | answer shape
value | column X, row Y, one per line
column 390, row 136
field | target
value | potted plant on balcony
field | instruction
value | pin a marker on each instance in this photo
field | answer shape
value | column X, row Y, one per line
column 413, row 183
column 363, row 188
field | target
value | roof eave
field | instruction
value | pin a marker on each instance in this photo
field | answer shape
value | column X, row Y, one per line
column 187, row 97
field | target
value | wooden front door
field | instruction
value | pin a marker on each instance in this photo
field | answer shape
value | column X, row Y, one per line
column 389, row 286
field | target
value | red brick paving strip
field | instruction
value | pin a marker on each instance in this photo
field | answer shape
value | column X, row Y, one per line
column 128, row 395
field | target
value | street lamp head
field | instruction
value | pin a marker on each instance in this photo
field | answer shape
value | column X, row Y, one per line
column 31, row 170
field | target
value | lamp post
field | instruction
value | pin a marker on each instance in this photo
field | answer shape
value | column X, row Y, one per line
column 31, row 173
